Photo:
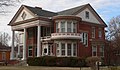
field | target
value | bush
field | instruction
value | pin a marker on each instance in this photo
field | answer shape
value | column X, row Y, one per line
column 56, row 61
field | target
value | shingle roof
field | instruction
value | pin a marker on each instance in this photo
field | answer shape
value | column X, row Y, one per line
column 71, row 11
column 40, row 12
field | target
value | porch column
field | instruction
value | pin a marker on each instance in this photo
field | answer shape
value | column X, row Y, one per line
column 39, row 41
column 19, row 50
column 12, row 48
column 24, row 45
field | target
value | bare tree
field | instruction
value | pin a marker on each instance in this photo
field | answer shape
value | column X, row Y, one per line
column 114, row 36
column 4, row 38
column 7, row 3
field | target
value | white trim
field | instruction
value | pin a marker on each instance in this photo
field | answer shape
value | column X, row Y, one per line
column 95, row 50
column 12, row 48
column 38, row 41
column 24, row 45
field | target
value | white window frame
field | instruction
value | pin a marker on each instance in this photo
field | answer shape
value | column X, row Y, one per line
column 87, row 14
column 23, row 15
column 85, row 38
column 93, row 32
column 100, row 33
column 58, row 48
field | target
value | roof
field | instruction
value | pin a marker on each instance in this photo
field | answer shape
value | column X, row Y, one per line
column 4, row 48
column 71, row 11
column 40, row 12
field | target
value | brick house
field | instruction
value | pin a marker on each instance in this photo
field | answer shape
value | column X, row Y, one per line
column 75, row 32
column 4, row 53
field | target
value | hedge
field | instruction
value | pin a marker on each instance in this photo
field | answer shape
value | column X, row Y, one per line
column 56, row 61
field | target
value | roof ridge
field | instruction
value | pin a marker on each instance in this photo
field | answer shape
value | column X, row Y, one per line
column 73, row 8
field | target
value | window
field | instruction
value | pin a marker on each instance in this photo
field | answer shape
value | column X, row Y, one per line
column 102, row 51
column 69, row 26
column 100, row 33
column 58, row 49
column 29, row 51
column 68, row 49
column 87, row 15
column 62, row 48
column 63, row 26
column 93, row 32
column 45, row 50
column 3, row 56
column 74, row 50
column 74, row 28
column 49, row 50
column 94, row 50
column 57, row 29
column 85, row 38
column 23, row 15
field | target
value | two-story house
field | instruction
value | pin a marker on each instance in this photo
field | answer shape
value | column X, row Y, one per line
column 75, row 32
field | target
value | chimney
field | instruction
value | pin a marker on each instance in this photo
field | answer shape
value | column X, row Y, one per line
column 38, row 7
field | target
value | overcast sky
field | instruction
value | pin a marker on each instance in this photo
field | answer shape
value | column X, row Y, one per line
column 105, row 8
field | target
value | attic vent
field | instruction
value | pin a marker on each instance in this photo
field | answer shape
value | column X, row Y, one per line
column 23, row 15
column 38, row 7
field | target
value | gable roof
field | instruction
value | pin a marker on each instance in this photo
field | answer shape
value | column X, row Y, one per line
column 40, row 12
column 71, row 11
column 35, row 11
column 76, row 10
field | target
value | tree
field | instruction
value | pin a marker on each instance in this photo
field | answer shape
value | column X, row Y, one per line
column 113, row 36
column 91, row 61
column 4, row 38
column 7, row 3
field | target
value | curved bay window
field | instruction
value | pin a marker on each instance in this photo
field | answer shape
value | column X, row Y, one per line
column 66, row 26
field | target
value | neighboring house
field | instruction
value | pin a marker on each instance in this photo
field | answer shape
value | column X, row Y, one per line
column 75, row 32
column 4, row 53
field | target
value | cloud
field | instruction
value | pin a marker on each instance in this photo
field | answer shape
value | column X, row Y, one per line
column 105, row 8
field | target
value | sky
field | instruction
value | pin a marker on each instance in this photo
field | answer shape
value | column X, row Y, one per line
column 107, row 9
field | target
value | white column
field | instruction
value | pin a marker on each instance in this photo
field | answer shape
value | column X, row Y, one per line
column 72, row 49
column 18, row 50
column 39, row 41
column 12, row 48
column 24, row 45
column 66, row 49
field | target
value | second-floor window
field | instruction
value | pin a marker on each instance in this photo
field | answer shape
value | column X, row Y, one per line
column 66, row 26
column 62, row 26
column 85, row 38
column 100, row 33
column 93, row 32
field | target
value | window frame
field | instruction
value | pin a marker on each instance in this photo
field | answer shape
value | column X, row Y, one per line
column 87, row 15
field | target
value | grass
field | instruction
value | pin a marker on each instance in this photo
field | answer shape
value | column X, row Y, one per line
column 45, row 68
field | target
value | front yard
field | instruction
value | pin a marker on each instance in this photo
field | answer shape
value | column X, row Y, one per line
column 45, row 68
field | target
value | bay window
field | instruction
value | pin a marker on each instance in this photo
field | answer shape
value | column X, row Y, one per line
column 66, row 26
column 66, row 49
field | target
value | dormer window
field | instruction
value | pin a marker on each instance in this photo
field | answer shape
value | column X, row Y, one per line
column 86, row 14
column 23, row 15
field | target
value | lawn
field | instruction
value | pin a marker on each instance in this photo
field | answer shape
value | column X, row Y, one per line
column 44, row 68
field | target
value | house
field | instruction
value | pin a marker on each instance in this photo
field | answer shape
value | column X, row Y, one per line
column 75, row 32
column 4, row 53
